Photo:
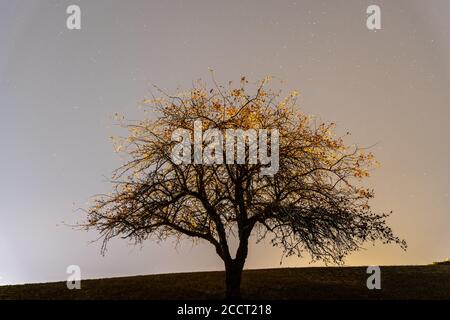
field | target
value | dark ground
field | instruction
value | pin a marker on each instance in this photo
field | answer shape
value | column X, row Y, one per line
column 397, row 282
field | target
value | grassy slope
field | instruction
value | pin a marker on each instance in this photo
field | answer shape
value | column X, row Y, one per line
column 398, row 282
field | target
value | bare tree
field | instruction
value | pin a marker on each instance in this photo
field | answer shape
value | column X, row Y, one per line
column 313, row 204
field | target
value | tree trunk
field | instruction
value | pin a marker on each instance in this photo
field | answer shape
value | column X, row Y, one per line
column 233, row 275
column 234, row 267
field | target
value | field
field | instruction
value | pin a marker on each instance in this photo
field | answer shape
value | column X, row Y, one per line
column 397, row 282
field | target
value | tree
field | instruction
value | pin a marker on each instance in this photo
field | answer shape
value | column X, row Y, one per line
column 313, row 204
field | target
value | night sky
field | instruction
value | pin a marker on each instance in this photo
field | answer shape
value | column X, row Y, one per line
column 60, row 89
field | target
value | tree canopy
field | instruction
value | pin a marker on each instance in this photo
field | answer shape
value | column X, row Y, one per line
column 315, row 203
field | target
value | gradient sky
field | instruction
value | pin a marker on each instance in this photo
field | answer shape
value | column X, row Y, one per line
column 60, row 88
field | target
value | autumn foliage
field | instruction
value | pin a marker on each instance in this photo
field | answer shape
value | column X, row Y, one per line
column 314, row 204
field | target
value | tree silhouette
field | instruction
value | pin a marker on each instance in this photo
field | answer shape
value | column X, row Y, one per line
column 314, row 204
